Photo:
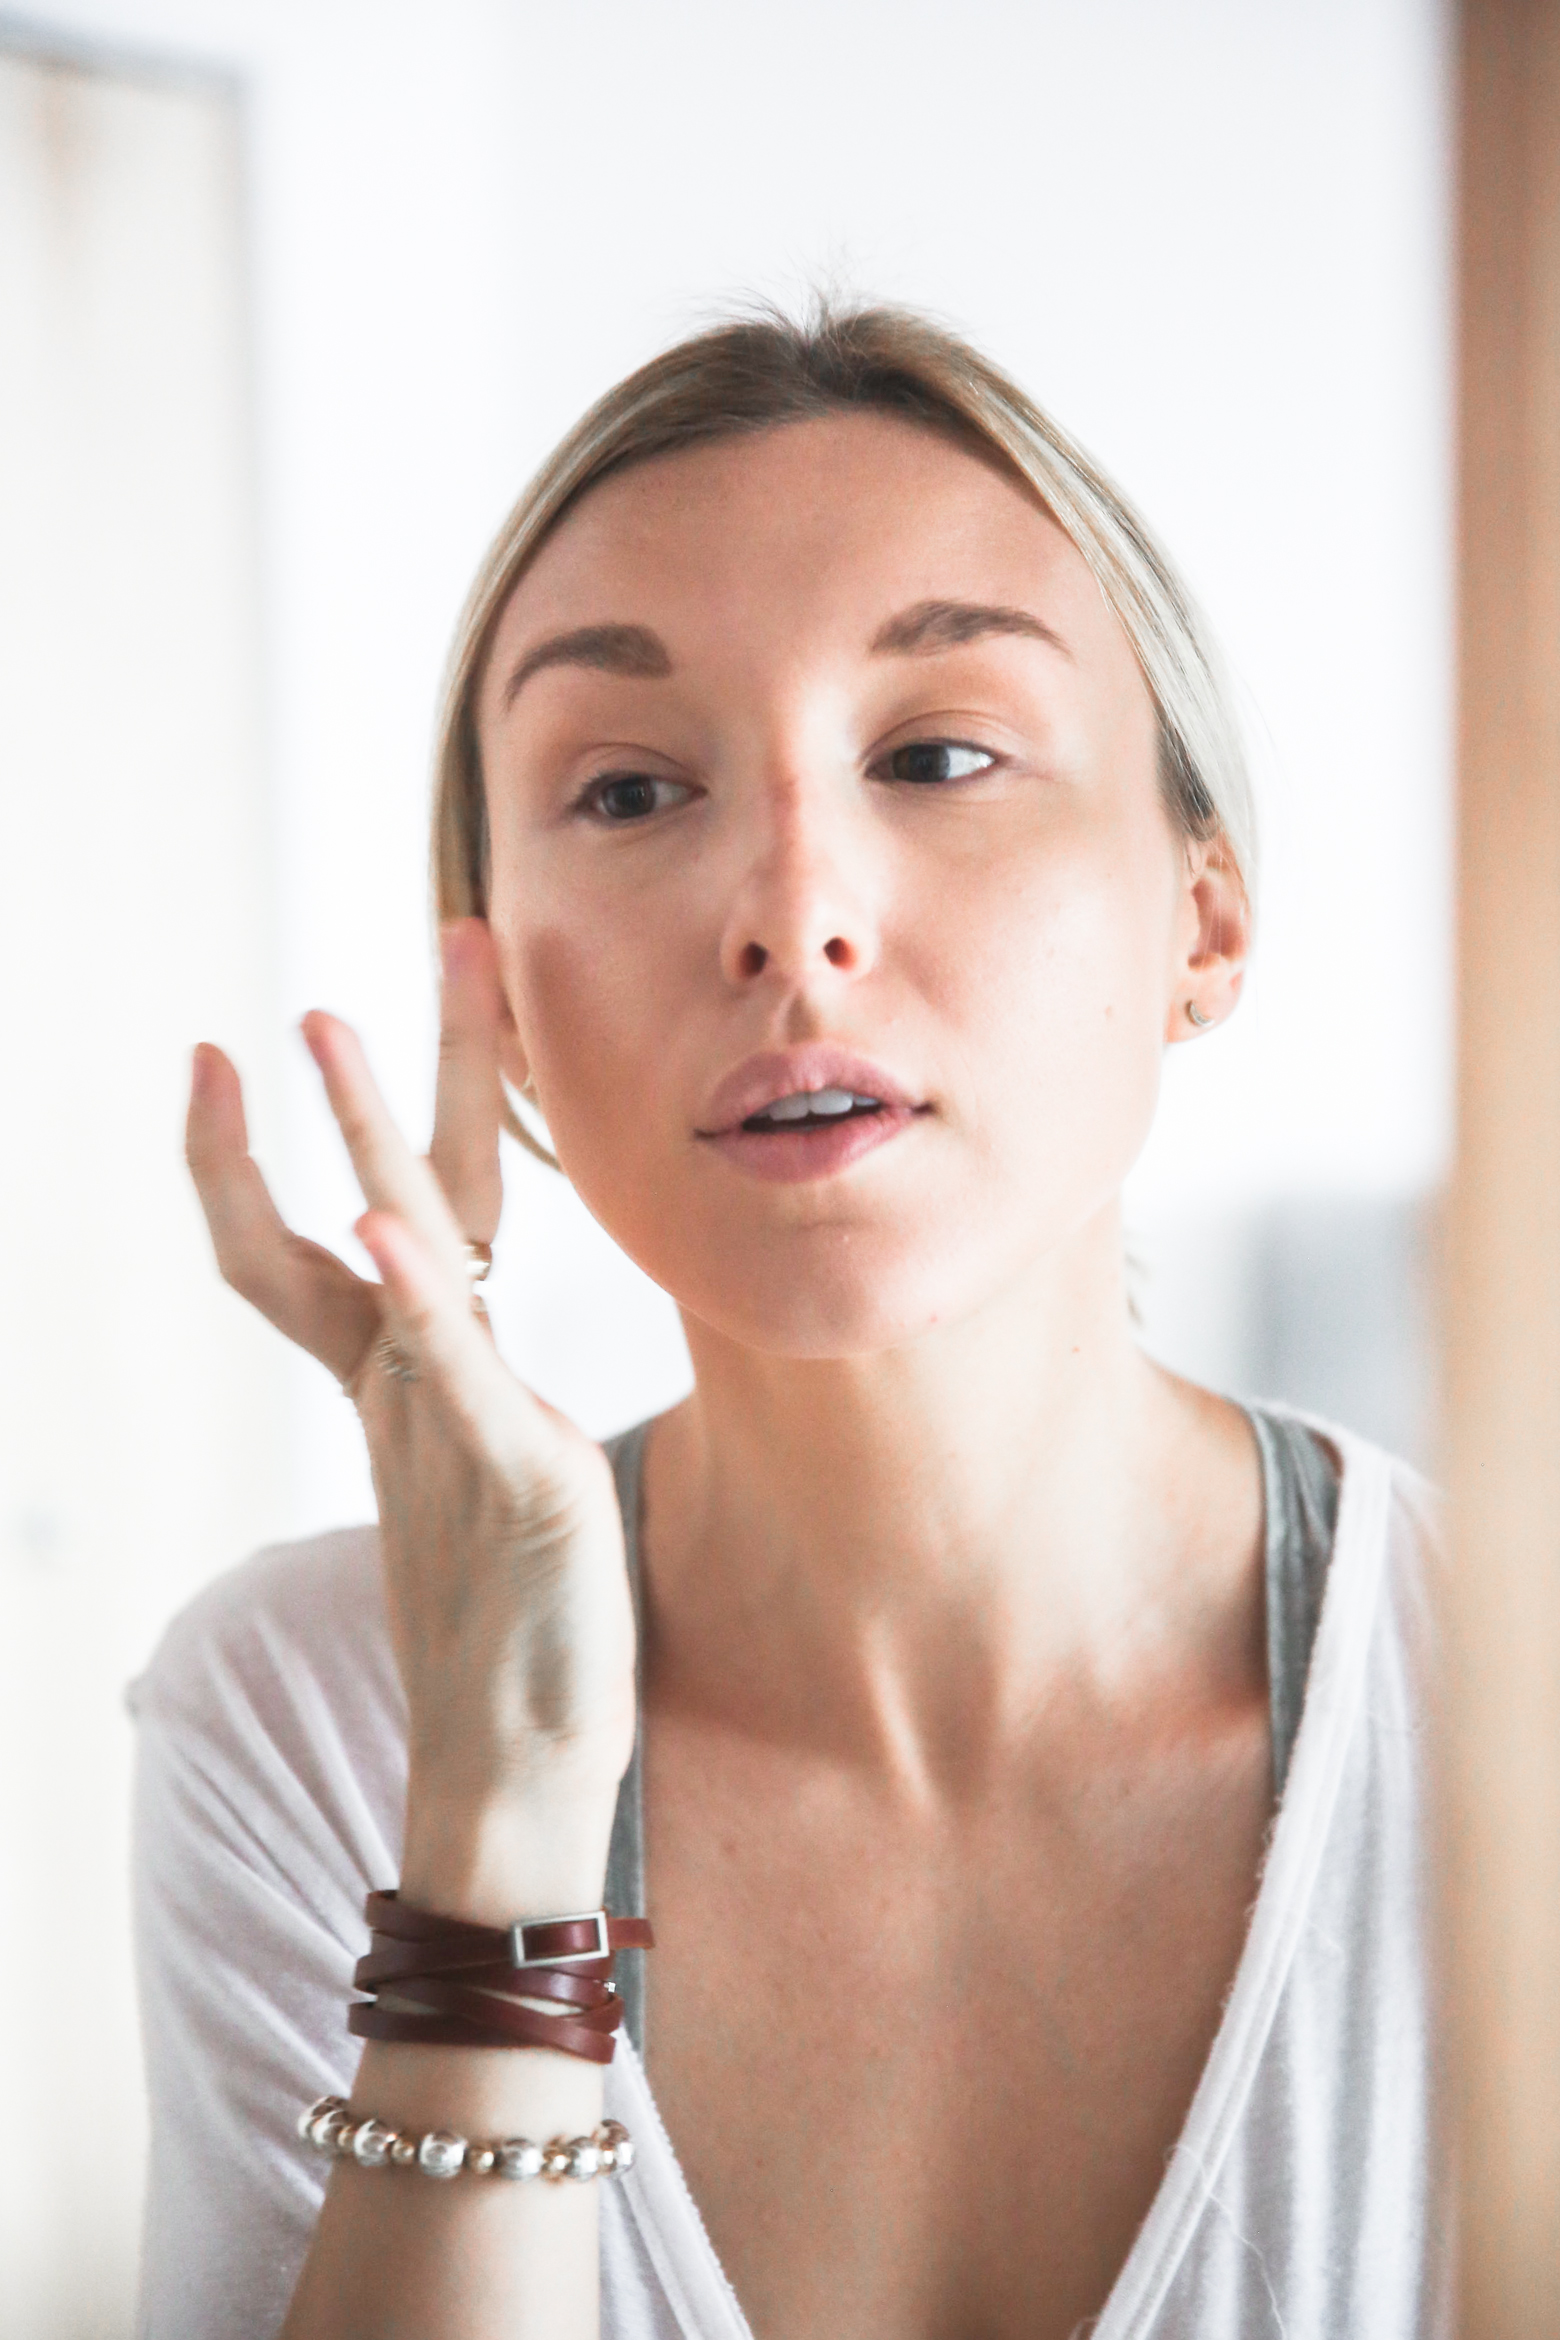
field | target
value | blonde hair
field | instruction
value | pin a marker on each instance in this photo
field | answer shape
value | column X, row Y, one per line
column 761, row 370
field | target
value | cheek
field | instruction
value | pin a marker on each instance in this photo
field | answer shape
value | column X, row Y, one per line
column 595, row 1011
column 1053, row 980
column 581, row 1006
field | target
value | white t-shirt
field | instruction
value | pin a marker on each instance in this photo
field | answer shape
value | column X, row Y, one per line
column 1301, row 2201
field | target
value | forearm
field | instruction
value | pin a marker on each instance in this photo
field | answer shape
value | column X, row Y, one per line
column 398, row 2255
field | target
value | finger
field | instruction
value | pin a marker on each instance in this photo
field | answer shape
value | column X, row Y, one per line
column 468, row 1111
column 433, row 1325
column 307, row 1293
column 392, row 1177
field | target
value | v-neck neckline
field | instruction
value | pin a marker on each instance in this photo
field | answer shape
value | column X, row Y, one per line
column 670, row 2226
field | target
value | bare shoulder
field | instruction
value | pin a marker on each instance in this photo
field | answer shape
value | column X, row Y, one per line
column 1209, row 1472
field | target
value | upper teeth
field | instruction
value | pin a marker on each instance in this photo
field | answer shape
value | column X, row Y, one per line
column 801, row 1102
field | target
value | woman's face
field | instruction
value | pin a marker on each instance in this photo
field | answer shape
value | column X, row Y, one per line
column 818, row 767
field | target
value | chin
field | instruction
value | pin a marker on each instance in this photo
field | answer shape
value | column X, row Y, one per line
column 847, row 1269
column 829, row 1292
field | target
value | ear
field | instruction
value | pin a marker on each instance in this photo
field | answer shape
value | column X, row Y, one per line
column 506, row 1035
column 511, row 1055
column 1212, row 941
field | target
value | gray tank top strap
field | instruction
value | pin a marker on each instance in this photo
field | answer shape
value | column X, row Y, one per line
column 1300, row 1489
column 1300, row 1479
column 626, row 1852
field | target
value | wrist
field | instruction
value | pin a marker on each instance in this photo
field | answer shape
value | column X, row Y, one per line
column 491, row 1865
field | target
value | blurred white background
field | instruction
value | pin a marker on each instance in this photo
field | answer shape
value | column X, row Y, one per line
column 292, row 298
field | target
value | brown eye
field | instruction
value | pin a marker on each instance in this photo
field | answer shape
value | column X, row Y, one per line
column 624, row 797
column 932, row 762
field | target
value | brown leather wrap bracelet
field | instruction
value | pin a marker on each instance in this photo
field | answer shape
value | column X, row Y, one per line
column 456, row 1984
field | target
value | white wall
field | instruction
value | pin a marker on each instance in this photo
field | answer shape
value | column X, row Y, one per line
column 142, row 1411
column 1209, row 233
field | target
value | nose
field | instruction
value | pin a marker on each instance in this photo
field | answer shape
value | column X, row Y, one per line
column 801, row 908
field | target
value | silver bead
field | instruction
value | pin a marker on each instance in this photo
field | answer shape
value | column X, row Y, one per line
column 372, row 2143
column 317, row 2111
column 341, row 2139
column 584, row 2158
column 555, row 2162
column 519, row 2158
column 403, row 2150
column 480, row 2159
column 440, row 2154
column 617, row 2148
column 326, row 2127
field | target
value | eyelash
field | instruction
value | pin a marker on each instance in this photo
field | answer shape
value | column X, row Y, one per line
column 951, row 747
column 590, row 797
column 590, row 801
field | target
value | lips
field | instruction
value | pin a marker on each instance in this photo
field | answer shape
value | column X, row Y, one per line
column 763, row 1080
column 794, row 1148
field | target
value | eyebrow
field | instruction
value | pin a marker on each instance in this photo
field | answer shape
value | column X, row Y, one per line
column 926, row 627
column 929, row 626
column 630, row 650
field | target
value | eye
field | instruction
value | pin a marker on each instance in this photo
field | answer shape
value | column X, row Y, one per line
column 623, row 797
column 933, row 762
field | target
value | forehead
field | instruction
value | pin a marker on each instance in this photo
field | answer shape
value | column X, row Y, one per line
column 815, row 530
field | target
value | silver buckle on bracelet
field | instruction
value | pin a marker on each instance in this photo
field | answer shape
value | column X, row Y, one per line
column 578, row 1917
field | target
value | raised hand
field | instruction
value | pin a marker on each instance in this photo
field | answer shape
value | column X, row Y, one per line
column 502, row 1543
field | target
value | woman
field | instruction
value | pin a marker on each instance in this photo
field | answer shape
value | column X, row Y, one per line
column 838, row 817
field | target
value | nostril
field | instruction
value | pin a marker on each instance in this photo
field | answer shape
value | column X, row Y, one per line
column 838, row 951
column 754, row 959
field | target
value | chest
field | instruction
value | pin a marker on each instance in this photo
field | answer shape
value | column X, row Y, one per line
column 923, row 2066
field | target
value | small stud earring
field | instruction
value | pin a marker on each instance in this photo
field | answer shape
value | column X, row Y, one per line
column 1195, row 1015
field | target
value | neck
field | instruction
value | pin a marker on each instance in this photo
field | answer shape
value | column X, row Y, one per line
column 968, row 1518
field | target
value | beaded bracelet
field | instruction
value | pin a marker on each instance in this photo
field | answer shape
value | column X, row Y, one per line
column 332, row 2128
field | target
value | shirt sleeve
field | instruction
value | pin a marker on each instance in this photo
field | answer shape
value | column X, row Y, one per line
column 269, row 1793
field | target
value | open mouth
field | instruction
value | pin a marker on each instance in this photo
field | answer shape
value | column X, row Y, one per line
column 798, row 1114
column 811, row 1109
